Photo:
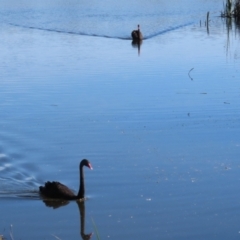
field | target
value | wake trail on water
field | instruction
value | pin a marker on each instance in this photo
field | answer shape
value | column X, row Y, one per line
column 170, row 29
column 18, row 179
column 149, row 36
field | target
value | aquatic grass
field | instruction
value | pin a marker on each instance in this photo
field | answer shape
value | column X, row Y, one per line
column 95, row 229
column 228, row 8
column 10, row 233
column 231, row 9
column 12, row 238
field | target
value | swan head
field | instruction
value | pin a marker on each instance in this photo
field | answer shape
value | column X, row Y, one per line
column 86, row 163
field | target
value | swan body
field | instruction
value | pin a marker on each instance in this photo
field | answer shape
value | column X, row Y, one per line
column 137, row 35
column 60, row 191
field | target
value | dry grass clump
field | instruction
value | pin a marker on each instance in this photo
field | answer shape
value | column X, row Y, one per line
column 231, row 9
column 1, row 237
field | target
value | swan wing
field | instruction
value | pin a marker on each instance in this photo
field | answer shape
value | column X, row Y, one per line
column 56, row 190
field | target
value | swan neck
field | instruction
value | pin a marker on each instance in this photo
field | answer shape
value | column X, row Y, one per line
column 81, row 191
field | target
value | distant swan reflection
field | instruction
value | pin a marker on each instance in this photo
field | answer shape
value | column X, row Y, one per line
column 81, row 207
column 137, row 44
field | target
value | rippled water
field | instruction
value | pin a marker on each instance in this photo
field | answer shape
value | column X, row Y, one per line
column 160, row 126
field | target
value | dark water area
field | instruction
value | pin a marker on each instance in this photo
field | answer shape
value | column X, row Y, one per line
column 160, row 124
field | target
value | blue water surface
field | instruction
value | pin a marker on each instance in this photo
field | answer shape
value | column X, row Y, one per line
column 159, row 122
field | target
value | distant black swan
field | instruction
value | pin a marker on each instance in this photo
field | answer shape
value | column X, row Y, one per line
column 60, row 191
column 137, row 35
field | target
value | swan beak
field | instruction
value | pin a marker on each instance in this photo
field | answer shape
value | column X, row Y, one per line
column 90, row 166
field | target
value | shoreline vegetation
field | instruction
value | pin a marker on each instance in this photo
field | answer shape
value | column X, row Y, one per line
column 231, row 9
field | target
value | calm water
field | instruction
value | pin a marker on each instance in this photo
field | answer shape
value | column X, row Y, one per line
column 160, row 127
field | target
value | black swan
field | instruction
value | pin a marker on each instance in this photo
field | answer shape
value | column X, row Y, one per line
column 60, row 191
column 137, row 35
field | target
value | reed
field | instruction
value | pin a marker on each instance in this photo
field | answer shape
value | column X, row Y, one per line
column 95, row 230
column 56, row 237
column 11, row 232
column 237, row 8
column 231, row 9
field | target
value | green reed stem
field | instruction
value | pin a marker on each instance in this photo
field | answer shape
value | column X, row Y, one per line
column 95, row 229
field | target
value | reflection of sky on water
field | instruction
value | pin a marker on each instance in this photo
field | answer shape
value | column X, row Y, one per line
column 113, row 80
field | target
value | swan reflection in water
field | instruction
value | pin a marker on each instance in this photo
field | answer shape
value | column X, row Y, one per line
column 137, row 38
column 81, row 207
column 137, row 45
